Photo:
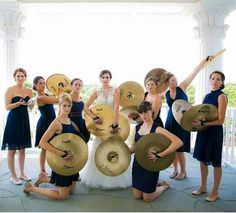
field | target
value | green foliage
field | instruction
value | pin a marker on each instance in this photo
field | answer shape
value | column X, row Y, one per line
column 30, row 85
column 230, row 91
column 191, row 94
column 88, row 90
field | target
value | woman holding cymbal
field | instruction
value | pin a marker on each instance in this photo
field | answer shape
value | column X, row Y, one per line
column 174, row 93
column 90, row 175
column 61, row 124
column 144, row 182
column 209, row 142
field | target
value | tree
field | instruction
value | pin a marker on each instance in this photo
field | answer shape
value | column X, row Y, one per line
column 230, row 91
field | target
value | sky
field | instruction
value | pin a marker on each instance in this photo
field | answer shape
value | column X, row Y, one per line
column 129, row 45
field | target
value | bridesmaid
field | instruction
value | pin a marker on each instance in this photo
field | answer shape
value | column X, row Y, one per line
column 77, row 108
column 47, row 115
column 144, row 182
column 154, row 98
column 176, row 92
column 65, row 185
column 17, row 130
column 209, row 142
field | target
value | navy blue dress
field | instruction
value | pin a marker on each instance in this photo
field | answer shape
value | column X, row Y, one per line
column 209, row 142
column 172, row 126
column 158, row 118
column 60, row 180
column 17, row 130
column 76, row 116
column 47, row 115
column 142, row 179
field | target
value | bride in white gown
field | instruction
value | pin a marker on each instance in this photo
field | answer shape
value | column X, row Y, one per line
column 90, row 175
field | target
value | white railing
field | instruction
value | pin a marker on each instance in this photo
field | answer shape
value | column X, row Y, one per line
column 229, row 150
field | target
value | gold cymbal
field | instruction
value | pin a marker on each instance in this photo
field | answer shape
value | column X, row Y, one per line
column 215, row 56
column 106, row 114
column 131, row 94
column 157, row 143
column 75, row 145
column 103, row 130
column 112, row 157
column 157, row 73
column 123, row 132
column 179, row 107
column 201, row 112
column 56, row 82
column 131, row 113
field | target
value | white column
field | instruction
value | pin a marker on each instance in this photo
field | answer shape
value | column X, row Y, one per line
column 10, row 25
column 210, row 16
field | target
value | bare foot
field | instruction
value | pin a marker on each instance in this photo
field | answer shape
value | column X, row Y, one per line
column 42, row 179
column 163, row 186
column 27, row 187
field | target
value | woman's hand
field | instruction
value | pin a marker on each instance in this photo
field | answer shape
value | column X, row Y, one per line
column 196, row 122
column 97, row 119
column 115, row 128
column 20, row 102
column 67, row 155
column 153, row 156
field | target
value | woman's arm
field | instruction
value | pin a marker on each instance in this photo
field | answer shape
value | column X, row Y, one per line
column 156, row 105
column 222, row 105
column 88, row 104
column 184, row 85
column 8, row 98
column 116, row 105
column 51, row 99
column 30, row 103
column 52, row 129
column 175, row 141
column 132, row 147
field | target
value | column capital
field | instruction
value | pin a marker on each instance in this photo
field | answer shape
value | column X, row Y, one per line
column 11, row 18
column 210, row 17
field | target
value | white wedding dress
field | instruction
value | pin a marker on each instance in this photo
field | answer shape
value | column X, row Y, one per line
column 90, row 175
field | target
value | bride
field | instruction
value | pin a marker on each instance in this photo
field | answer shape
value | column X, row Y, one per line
column 90, row 175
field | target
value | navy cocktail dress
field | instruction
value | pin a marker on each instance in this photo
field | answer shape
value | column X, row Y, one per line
column 172, row 126
column 61, row 180
column 76, row 116
column 142, row 179
column 209, row 142
column 47, row 115
column 17, row 130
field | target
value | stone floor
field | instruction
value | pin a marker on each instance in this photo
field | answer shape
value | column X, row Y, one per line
column 177, row 198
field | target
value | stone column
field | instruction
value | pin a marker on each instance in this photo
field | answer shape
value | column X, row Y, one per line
column 211, row 30
column 11, row 32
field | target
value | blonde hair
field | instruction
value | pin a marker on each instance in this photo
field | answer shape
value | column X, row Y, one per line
column 64, row 97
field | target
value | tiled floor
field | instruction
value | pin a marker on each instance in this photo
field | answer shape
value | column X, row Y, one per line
column 177, row 198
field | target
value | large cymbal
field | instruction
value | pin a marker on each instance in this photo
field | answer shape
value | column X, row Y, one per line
column 112, row 157
column 123, row 132
column 204, row 112
column 131, row 94
column 106, row 114
column 74, row 144
column 56, row 82
column 215, row 56
column 157, row 73
column 131, row 113
column 179, row 107
column 104, row 130
column 157, row 143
